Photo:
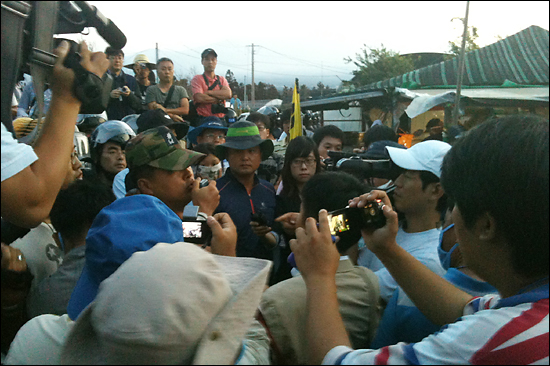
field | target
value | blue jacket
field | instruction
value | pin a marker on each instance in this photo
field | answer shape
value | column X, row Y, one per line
column 239, row 204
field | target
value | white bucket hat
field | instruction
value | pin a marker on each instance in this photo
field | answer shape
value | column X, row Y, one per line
column 141, row 59
column 426, row 155
column 174, row 303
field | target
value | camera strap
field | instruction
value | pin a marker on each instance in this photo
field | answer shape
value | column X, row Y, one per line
column 44, row 29
column 170, row 92
column 211, row 87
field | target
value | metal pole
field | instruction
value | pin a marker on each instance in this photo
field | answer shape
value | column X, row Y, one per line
column 461, row 66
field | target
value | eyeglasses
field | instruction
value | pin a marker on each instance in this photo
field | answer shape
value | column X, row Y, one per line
column 309, row 162
column 261, row 128
column 214, row 137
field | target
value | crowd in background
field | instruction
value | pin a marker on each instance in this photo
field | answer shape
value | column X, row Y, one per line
column 107, row 275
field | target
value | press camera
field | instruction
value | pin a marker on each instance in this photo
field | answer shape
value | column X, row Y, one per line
column 362, row 167
column 28, row 28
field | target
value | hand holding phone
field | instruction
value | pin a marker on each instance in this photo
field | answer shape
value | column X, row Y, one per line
column 195, row 231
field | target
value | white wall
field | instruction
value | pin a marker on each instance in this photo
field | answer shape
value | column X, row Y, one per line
column 345, row 119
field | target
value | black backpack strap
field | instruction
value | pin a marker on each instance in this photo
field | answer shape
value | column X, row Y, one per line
column 211, row 87
column 170, row 92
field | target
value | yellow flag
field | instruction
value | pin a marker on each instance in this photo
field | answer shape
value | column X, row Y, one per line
column 296, row 116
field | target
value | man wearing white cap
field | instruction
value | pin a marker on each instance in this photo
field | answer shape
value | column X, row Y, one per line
column 420, row 198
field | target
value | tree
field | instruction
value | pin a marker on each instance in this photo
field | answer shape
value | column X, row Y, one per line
column 232, row 81
column 378, row 64
column 471, row 36
column 304, row 92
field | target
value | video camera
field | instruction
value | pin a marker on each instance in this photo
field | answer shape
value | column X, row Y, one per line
column 27, row 45
column 362, row 167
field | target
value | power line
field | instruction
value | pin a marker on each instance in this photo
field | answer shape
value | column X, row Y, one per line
column 306, row 62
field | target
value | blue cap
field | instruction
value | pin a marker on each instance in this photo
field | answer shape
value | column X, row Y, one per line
column 128, row 225
column 209, row 122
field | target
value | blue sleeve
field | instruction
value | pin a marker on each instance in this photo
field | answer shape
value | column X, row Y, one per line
column 386, row 332
column 25, row 100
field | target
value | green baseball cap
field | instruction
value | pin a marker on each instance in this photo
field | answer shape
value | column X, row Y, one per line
column 158, row 147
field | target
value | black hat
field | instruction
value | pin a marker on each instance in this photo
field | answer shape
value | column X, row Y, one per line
column 208, row 51
column 158, row 117
column 377, row 150
column 244, row 135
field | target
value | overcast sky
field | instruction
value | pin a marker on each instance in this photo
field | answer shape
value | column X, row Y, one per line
column 305, row 40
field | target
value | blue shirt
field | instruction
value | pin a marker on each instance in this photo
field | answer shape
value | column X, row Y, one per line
column 28, row 100
column 119, row 108
column 403, row 322
column 240, row 204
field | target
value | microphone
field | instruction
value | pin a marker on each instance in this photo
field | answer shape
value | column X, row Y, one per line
column 104, row 26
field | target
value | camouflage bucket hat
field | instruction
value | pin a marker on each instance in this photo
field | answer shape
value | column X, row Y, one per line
column 158, row 147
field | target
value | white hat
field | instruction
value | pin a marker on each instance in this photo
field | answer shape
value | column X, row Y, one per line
column 426, row 155
column 141, row 59
column 174, row 303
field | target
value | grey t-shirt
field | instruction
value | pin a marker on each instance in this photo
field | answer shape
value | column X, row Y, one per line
column 154, row 94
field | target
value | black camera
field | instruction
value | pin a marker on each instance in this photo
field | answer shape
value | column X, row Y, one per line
column 90, row 89
column 218, row 108
column 355, row 219
column 361, row 166
column 27, row 41
column 260, row 218
column 196, row 231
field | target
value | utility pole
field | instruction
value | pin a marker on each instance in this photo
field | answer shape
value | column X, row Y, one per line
column 253, row 96
column 245, row 96
column 461, row 66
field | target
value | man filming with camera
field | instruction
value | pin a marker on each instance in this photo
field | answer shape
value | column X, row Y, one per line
column 41, row 169
column 419, row 197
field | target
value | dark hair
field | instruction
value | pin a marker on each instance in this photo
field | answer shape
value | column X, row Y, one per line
column 331, row 191
column 110, row 51
column 501, row 167
column 379, row 133
column 163, row 59
column 434, row 122
column 138, row 172
column 427, row 178
column 259, row 117
column 298, row 147
column 285, row 115
column 328, row 130
column 76, row 207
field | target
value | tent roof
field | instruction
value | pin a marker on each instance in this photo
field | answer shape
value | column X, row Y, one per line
column 425, row 99
column 521, row 58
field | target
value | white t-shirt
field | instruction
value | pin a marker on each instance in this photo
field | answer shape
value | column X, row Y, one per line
column 422, row 246
column 40, row 341
column 16, row 156
column 41, row 252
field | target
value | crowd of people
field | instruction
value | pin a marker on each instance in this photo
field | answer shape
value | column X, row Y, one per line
column 99, row 270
